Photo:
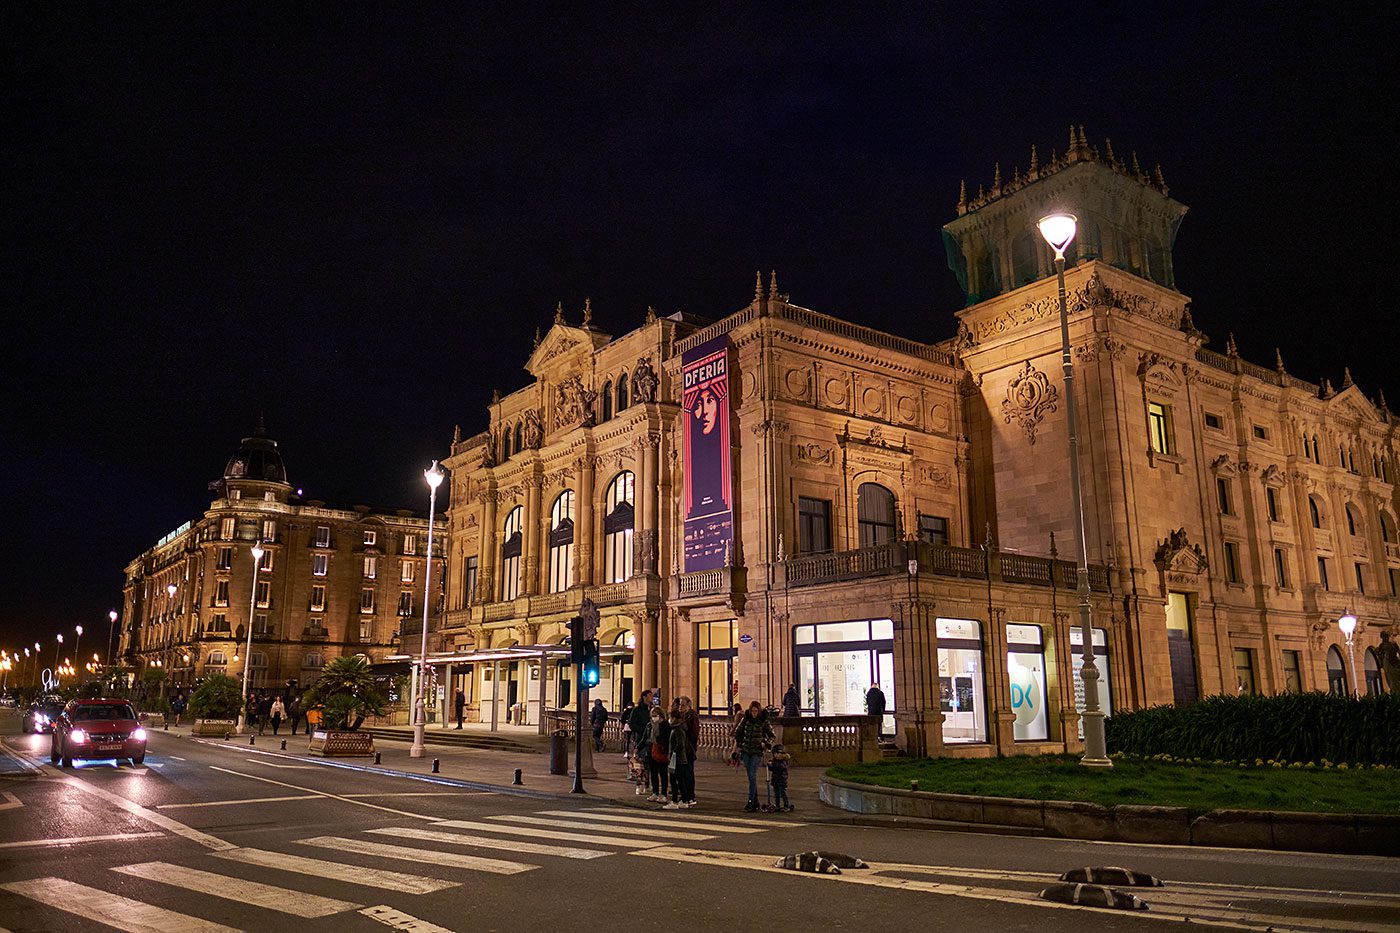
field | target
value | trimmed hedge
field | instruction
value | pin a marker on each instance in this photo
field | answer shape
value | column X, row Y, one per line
column 1290, row 727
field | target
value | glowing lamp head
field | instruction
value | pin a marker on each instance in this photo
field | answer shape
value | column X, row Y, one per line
column 1347, row 623
column 112, row 615
column 1058, row 231
column 60, row 638
column 257, row 552
column 78, row 629
column 170, row 590
column 434, row 476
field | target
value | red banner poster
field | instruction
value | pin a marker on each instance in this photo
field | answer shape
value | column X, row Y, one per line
column 709, row 483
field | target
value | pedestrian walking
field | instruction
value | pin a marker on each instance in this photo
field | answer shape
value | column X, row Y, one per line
column 313, row 720
column 296, row 712
column 681, row 765
column 692, row 737
column 778, row 775
column 658, row 755
column 875, row 706
column 623, row 718
column 264, row 711
column 278, row 712
column 177, row 706
column 598, row 719
column 639, row 720
column 459, row 705
column 791, row 701
column 751, row 733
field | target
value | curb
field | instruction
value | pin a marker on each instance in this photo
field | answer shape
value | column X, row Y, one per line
column 1343, row 833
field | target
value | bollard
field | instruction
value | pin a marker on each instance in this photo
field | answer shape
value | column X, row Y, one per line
column 435, row 766
column 252, row 739
column 376, row 758
column 284, row 745
column 517, row 780
column 167, row 727
column 913, row 785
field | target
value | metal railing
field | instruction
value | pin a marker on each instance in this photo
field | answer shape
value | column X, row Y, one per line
column 939, row 559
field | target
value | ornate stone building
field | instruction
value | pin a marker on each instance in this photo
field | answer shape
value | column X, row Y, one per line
column 874, row 509
column 331, row 581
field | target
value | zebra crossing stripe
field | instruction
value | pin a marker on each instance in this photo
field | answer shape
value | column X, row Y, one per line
column 340, row 871
column 399, row 920
column 584, row 825
column 111, row 909
column 285, row 900
column 708, row 818
column 650, row 820
column 542, row 833
column 448, row 859
column 462, row 839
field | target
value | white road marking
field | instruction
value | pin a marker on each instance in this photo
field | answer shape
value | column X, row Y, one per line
column 285, row 900
column 154, row 764
column 513, row 845
column 175, row 757
column 111, row 909
column 321, row 793
column 340, row 871
column 431, row 793
column 707, row 818
column 11, row 801
column 234, row 803
column 401, row 921
column 593, row 838
column 76, row 840
column 450, row 859
column 268, row 764
column 642, row 822
column 585, row 826
column 150, row 816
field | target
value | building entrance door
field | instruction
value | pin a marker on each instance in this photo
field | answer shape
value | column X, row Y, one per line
column 1181, row 648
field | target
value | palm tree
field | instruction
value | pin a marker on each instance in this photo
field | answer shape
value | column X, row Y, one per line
column 347, row 693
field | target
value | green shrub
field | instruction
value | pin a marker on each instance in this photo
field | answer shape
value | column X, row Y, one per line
column 1290, row 727
column 219, row 697
column 346, row 693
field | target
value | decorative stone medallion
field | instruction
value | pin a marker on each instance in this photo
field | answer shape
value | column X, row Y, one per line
column 1029, row 398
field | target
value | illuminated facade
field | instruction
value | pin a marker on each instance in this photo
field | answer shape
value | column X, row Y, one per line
column 896, row 512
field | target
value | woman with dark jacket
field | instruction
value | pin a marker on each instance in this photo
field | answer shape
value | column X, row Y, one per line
column 657, row 749
column 751, row 734
column 683, row 773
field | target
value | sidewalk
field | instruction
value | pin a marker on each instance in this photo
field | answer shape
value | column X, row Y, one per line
column 719, row 788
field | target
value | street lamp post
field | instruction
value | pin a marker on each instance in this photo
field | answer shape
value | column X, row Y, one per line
column 111, row 630
column 76, row 642
column 1347, row 623
column 36, row 665
column 1058, row 231
column 248, row 649
column 434, row 476
column 56, row 649
column 26, row 657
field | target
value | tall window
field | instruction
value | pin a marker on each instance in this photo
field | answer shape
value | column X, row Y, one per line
column 469, row 581
column 1292, row 672
column 319, row 563
column 1314, row 512
column 1360, row 579
column 265, row 564
column 1244, row 671
column 323, row 535
column 1232, row 562
column 933, row 529
column 519, row 436
column 875, row 514
column 605, row 398
column 269, row 530
column 1336, row 672
column 219, row 623
column 717, row 647
column 561, row 543
column 1159, row 427
column 623, row 400
column 371, row 566
column 318, row 598
column 813, row 525
column 367, row 600
column 264, row 594
column 511, row 545
column 1271, row 502
column 406, row 571
column 221, row 593
column 226, row 528
column 1280, row 568
column 1387, row 528
column 618, row 521
column 225, row 561
column 1222, row 494
column 1322, row 573
column 1352, row 521
column 405, row 603
column 410, row 545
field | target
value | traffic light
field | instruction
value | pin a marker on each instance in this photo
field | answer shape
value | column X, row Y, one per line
column 590, row 662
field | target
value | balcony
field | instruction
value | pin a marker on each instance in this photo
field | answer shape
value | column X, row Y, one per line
column 636, row 590
column 705, row 586
column 903, row 557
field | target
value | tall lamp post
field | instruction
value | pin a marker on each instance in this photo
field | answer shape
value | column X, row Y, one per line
column 36, row 665
column 111, row 630
column 248, row 648
column 76, row 642
column 56, row 649
column 1058, row 230
column 434, row 476
column 26, row 657
column 1347, row 623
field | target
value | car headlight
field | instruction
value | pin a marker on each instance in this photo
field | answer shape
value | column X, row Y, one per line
column 139, row 735
column 40, row 718
column 78, row 735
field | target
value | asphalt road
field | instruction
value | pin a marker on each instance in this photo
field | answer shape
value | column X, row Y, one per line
column 210, row 837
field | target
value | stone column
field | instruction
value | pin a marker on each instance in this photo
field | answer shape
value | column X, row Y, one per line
column 583, row 529
column 646, row 670
column 449, row 698
column 646, row 501
column 486, row 557
column 531, row 535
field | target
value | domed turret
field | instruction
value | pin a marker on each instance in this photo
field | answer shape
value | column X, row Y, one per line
column 257, row 460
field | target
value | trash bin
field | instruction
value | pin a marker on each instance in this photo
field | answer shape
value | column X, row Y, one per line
column 559, row 752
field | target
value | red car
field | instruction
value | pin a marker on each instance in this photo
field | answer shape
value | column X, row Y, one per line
column 98, row 729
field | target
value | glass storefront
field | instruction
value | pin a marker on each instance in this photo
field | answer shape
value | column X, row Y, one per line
column 838, row 662
column 961, row 689
column 716, row 648
column 1025, row 667
column 1101, row 661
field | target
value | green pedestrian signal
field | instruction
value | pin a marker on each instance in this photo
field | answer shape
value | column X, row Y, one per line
column 590, row 674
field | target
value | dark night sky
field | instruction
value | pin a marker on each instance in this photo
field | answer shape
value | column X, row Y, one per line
column 353, row 217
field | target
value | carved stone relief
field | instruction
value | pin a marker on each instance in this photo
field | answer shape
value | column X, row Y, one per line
column 1029, row 398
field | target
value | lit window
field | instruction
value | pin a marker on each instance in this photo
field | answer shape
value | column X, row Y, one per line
column 269, row 532
column 410, row 545
column 264, row 594
column 875, row 513
column 265, row 562
column 367, row 600
column 618, row 522
column 221, row 593
column 371, row 566
column 323, row 535
column 511, row 544
column 406, row 571
column 226, row 528
column 405, row 603
column 561, row 543
column 813, row 525
column 1159, row 427
column 318, row 599
column 371, row 538
column 319, row 564
column 225, row 560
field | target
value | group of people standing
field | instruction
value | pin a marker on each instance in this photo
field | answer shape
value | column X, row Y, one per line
column 662, row 745
column 273, row 709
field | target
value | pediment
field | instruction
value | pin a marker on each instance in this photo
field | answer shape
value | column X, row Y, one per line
column 564, row 342
column 1354, row 402
column 1176, row 554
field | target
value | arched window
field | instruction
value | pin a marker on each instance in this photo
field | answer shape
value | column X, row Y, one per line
column 519, row 433
column 1373, row 674
column 561, row 543
column 605, row 399
column 618, row 522
column 1353, row 520
column 512, row 541
column 1315, row 511
column 623, row 402
column 875, row 514
column 1387, row 528
column 1336, row 672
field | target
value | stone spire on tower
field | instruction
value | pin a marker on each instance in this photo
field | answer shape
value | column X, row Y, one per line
column 1347, row 382
column 559, row 313
column 587, row 311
